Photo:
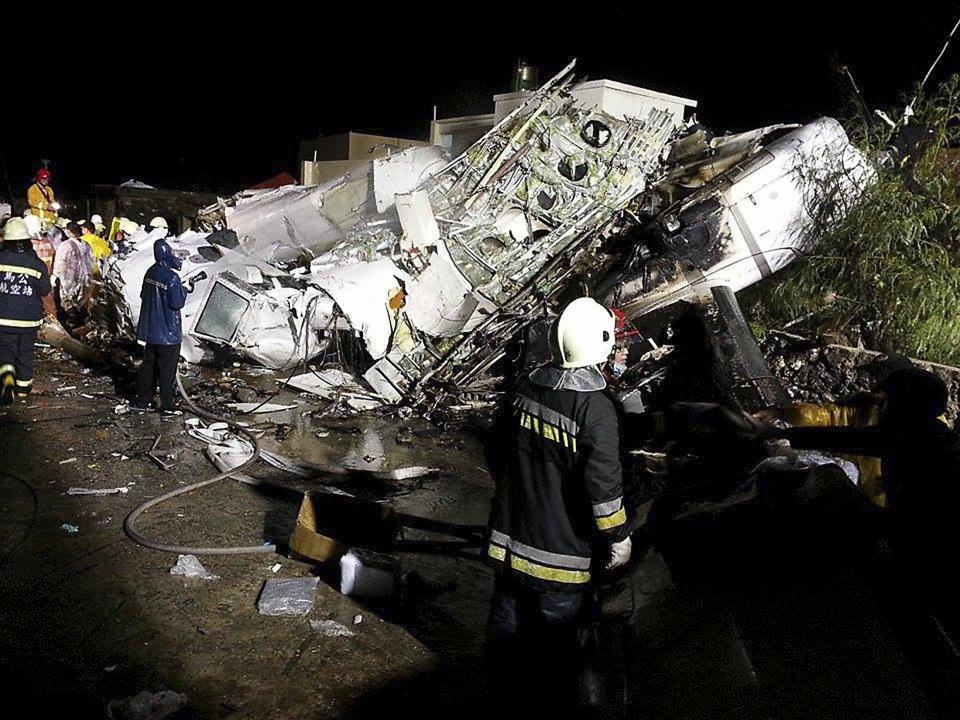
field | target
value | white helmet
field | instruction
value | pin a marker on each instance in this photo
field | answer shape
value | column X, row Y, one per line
column 96, row 220
column 128, row 227
column 34, row 225
column 159, row 222
column 585, row 333
column 15, row 229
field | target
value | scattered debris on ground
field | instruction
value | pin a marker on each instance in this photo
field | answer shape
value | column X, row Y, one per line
column 191, row 567
column 331, row 628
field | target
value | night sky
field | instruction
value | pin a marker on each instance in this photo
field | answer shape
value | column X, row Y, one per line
column 200, row 101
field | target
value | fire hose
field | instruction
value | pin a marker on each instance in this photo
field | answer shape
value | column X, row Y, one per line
column 469, row 536
column 129, row 524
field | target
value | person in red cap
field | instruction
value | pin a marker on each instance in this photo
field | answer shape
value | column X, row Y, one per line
column 41, row 199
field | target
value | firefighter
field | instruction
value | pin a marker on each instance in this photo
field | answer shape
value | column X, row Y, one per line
column 24, row 282
column 557, row 513
column 41, row 198
column 122, row 232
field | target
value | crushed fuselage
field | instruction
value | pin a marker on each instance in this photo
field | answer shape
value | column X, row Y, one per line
column 436, row 265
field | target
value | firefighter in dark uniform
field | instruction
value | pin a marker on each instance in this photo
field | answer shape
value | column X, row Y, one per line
column 557, row 513
column 24, row 282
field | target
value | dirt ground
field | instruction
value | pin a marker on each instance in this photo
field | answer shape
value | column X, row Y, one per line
column 88, row 617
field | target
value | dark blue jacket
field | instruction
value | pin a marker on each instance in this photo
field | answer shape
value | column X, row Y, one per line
column 24, row 280
column 161, row 298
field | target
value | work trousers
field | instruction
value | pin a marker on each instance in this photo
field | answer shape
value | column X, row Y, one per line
column 16, row 356
column 534, row 649
column 159, row 367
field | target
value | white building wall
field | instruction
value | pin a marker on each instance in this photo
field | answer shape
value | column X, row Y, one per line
column 615, row 98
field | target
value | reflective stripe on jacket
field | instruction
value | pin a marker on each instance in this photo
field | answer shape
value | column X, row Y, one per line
column 24, row 281
column 560, row 490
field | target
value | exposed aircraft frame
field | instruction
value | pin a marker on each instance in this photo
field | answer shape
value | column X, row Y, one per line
column 437, row 265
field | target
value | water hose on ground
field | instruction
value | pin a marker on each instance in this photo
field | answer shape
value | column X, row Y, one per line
column 470, row 536
column 129, row 524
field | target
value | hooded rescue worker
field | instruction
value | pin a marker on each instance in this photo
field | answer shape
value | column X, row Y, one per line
column 41, row 199
column 24, row 282
column 162, row 296
column 558, row 512
column 72, row 266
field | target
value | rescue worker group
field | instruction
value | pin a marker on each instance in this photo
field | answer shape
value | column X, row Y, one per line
column 50, row 266
column 559, row 520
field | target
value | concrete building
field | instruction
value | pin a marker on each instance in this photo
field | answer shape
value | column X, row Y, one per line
column 615, row 98
column 324, row 158
column 457, row 134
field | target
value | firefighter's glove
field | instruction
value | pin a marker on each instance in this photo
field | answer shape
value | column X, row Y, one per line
column 619, row 554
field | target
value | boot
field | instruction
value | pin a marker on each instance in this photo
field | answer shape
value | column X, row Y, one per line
column 8, row 388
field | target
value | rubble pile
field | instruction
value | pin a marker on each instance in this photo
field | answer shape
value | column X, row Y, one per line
column 814, row 371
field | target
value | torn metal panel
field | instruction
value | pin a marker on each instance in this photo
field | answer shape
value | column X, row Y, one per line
column 750, row 223
column 335, row 385
column 439, row 300
column 420, row 230
column 394, row 375
column 281, row 224
column 402, row 172
column 698, row 158
column 275, row 326
column 364, row 292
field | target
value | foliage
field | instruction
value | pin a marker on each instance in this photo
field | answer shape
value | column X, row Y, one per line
column 887, row 275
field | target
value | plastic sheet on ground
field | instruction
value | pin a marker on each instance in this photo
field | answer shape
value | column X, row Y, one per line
column 190, row 566
column 331, row 628
column 283, row 596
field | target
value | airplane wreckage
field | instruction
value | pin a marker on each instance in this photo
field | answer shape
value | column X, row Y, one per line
column 436, row 266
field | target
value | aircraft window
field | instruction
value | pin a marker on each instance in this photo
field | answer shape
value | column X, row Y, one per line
column 546, row 199
column 596, row 133
column 572, row 170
